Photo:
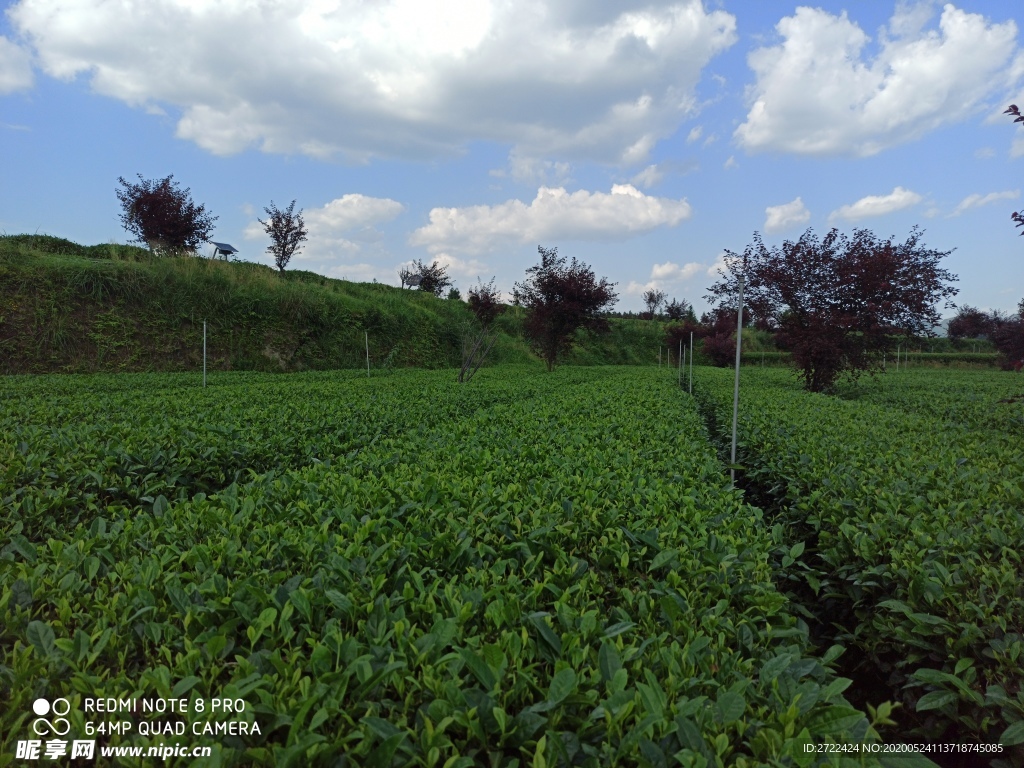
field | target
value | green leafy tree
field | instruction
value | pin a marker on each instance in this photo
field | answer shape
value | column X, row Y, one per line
column 653, row 299
column 431, row 277
column 680, row 309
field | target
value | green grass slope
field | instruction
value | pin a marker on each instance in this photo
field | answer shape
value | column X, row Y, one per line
column 70, row 308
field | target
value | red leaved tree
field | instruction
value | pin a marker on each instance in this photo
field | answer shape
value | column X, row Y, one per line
column 969, row 323
column 287, row 232
column 163, row 216
column 840, row 303
column 485, row 303
column 560, row 299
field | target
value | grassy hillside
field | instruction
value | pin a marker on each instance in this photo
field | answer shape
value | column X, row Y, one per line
column 65, row 307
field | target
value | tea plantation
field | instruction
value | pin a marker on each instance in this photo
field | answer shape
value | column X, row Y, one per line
column 532, row 570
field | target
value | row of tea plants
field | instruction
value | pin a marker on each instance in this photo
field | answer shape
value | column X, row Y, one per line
column 556, row 573
column 913, row 503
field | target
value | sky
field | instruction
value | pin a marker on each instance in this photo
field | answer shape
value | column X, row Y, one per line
column 642, row 138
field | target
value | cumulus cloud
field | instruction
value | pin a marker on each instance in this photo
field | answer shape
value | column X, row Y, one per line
column 352, row 211
column 782, row 217
column 399, row 78
column 694, row 134
column 553, row 214
column 353, row 215
column 976, row 201
column 876, row 205
column 667, row 275
column 816, row 93
column 466, row 270
column 15, row 67
column 730, row 163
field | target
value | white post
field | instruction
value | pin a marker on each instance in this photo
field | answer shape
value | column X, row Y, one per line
column 366, row 336
column 659, row 355
column 680, row 361
column 898, row 358
column 204, row 354
column 691, row 362
column 736, row 384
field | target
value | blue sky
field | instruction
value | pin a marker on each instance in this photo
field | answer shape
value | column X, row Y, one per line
column 643, row 138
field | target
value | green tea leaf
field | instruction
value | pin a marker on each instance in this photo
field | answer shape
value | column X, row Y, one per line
column 41, row 636
column 731, row 707
column 481, row 671
column 562, row 684
column 1013, row 735
column 935, row 700
column 609, row 661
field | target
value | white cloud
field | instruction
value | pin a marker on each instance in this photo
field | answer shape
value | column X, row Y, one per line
column 672, row 272
column 15, row 67
column 648, row 177
column 399, row 78
column 533, row 170
column 782, row 217
column 876, row 205
column 730, row 163
column 984, row 153
column 694, row 134
column 976, row 201
column 1017, row 148
column 352, row 211
column 354, row 215
column 468, row 270
column 553, row 214
column 667, row 275
column 817, row 94
column 717, row 265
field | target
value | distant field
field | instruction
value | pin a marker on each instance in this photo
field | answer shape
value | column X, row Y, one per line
column 534, row 569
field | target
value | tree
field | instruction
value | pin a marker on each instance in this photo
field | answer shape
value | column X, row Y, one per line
column 1017, row 216
column 653, row 300
column 287, row 232
column 680, row 310
column 408, row 277
column 485, row 303
column 431, row 277
column 162, row 216
column 1007, row 333
column 840, row 303
column 969, row 323
column 561, row 299
column 454, row 294
column 717, row 332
